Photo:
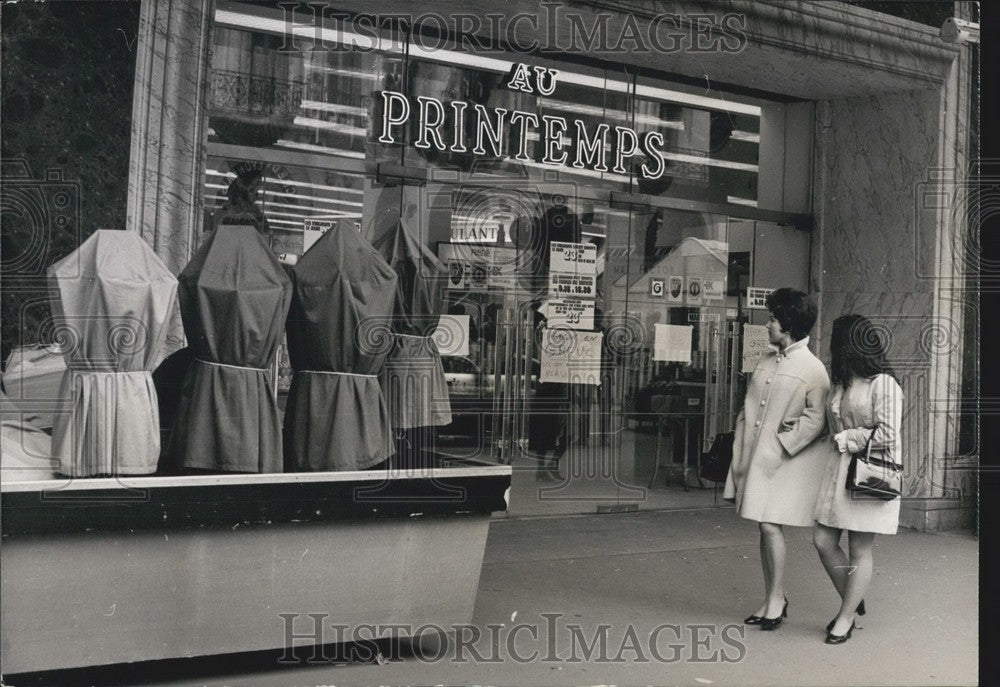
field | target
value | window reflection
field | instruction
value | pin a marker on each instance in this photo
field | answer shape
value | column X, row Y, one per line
column 314, row 120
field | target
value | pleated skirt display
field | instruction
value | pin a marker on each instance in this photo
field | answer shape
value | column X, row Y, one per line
column 227, row 421
column 334, row 422
column 110, row 424
column 414, row 384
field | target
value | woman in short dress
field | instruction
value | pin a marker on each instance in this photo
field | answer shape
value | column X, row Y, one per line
column 779, row 446
column 865, row 396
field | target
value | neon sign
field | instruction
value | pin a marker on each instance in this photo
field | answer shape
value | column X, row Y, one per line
column 495, row 128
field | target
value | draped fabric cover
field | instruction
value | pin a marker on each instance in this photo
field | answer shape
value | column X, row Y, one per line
column 420, row 276
column 234, row 297
column 414, row 384
column 413, row 379
column 114, row 300
column 338, row 337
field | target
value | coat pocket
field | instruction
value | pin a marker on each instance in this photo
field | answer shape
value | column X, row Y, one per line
column 788, row 425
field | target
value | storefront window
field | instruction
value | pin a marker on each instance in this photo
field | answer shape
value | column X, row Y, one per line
column 711, row 145
column 593, row 345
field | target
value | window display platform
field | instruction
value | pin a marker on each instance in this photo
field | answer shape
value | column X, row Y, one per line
column 118, row 570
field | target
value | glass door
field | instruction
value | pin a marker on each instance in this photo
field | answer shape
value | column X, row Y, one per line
column 686, row 292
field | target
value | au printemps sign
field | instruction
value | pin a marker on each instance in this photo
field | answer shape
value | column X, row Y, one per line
column 502, row 132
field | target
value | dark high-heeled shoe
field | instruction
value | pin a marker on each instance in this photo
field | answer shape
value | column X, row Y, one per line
column 860, row 610
column 755, row 619
column 839, row 639
column 771, row 623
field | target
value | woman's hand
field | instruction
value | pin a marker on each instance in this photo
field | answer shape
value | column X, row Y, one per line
column 842, row 439
column 846, row 443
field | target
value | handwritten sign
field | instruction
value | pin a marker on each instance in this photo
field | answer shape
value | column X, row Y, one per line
column 574, row 258
column 571, row 357
column 755, row 345
column 672, row 342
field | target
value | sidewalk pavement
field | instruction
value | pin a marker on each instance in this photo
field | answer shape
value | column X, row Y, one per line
column 694, row 574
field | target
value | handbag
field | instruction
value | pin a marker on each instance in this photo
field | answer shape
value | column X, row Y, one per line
column 715, row 464
column 870, row 474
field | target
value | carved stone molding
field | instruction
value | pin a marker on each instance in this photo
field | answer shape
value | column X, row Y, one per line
column 168, row 126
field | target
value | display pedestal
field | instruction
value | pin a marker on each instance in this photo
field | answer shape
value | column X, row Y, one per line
column 105, row 571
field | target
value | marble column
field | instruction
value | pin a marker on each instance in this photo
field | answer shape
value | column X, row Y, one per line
column 169, row 119
column 949, row 197
column 889, row 186
column 169, row 116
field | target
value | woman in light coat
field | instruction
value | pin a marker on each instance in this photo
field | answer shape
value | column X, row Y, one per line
column 778, row 461
column 866, row 397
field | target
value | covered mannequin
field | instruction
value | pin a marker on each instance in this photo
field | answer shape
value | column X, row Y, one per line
column 115, row 298
column 413, row 380
column 343, row 293
column 234, row 298
column 420, row 277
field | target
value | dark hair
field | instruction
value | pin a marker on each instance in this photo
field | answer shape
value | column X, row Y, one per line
column 241, row 191
column 794, row 311
column 856, row 348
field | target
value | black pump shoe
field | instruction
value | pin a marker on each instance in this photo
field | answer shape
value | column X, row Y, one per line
column 771, row 623
column 860, row 611
column 752, row 620
column 840, row 639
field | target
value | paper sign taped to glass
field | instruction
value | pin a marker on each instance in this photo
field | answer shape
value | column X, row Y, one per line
column 713, row 289
column 675, row 289
column 473, row 267
column 573, row 258
column 571, row 357
column 755, row 345
column 572, row 285
column 694, row 290
column 570, row 313
column 672, row 342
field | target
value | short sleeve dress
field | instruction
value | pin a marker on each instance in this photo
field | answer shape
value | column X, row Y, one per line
column 855, row 411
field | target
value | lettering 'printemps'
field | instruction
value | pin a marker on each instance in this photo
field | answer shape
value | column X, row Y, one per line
column 501, row 132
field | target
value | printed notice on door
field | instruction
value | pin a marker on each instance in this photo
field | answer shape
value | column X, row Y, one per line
column 562, row 285
column 755, row 345
column 571, row 357
column 672, row 342
column 573, row 258
column 570, row 313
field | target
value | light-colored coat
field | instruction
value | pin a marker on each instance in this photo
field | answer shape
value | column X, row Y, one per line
column 779, row 458
column 867, row 403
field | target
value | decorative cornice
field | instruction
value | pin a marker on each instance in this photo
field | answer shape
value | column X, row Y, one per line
column 827, row 29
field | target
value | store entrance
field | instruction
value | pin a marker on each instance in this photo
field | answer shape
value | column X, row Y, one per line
column 678, row 335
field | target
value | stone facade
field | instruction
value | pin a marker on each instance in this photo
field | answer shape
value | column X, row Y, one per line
column 888, row 163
